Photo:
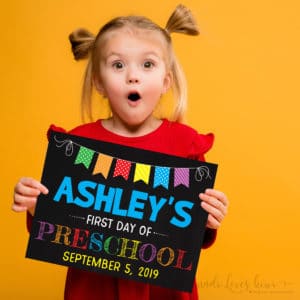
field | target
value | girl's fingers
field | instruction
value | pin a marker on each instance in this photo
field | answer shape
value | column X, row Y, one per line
column 214, row 212
column 212, row 222
column 26, row 191
column 18, row 208
column 217, row 194
column 214, row 202
column 25, row 194
column 24, row 201
column 30, row 187
column 30, row 182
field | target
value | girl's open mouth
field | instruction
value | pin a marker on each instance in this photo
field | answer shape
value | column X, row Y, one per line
column 134, row 96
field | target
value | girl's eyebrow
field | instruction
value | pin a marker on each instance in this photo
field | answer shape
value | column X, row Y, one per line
column 113, row 54
column 157, row 56
column 147, row 53
column 151, row 53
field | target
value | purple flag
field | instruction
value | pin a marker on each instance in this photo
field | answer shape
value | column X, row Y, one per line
column 182, row 176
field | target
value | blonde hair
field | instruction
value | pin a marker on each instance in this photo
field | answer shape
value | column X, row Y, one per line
column 86, row 45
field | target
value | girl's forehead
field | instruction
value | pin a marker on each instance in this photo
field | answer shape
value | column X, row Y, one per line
column 132, row 29
column 141, row 35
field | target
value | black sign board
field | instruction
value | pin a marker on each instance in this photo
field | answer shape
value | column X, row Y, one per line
column 121, row 211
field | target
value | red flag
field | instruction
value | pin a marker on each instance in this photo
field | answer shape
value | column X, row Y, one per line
column 122, row 168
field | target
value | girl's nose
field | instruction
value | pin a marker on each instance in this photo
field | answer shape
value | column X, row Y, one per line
column 133, row 80
column 132, row 76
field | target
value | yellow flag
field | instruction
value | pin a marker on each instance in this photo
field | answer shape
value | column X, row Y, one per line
column 142, row 172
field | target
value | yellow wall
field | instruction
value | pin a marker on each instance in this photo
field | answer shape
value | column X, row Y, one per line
column 243, row 74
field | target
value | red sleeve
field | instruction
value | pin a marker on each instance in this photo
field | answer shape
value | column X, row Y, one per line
column 55, row 128
column 201, row 144
column 209, row 238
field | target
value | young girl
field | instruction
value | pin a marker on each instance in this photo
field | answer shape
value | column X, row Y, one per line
column 132, row 64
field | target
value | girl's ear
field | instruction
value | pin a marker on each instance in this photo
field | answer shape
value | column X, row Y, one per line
column 167, row 82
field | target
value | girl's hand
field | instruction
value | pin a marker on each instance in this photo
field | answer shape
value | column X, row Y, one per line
column 25, row 194
column 216, row 204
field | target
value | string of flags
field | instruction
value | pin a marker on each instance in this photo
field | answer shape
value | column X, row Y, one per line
column 105, row 165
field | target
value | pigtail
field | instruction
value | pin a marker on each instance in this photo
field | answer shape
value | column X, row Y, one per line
column 82, row 42
column 87, row 91
column 180, row 91
column 182, row 21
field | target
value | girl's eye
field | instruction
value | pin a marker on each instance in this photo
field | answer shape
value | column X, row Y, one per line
column 148, row 64
column 118, row 65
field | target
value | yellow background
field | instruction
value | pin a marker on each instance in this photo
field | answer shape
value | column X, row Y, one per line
column 243, row 76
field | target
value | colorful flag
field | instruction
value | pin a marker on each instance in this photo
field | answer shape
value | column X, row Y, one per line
column 122, row 168
column 142, row 172
column 182, row 176
column 84, row 156
column 103, row 164
column 161, row 177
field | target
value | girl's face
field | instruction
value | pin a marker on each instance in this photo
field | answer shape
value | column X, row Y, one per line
column 133, row 75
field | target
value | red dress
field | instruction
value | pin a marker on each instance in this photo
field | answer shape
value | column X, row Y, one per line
column 170, row 138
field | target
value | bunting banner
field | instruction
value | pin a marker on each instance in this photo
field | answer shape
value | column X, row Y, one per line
column 103, row 165
column 84, row 157
column 121, row 211
column 161, row 177
column 122, row 168
column 181, row 176
column 142, row 172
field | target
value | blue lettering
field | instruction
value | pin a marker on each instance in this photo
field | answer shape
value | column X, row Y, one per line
column 135, row 205
column 117, row 200
column 186, row 217
column 82, row 189
column 96, row 242
column 101, row 197
column 156, row 207
column 65, row 189
column 109, row 200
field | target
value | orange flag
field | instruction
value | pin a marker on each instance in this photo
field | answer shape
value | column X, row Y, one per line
column 103, row 164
